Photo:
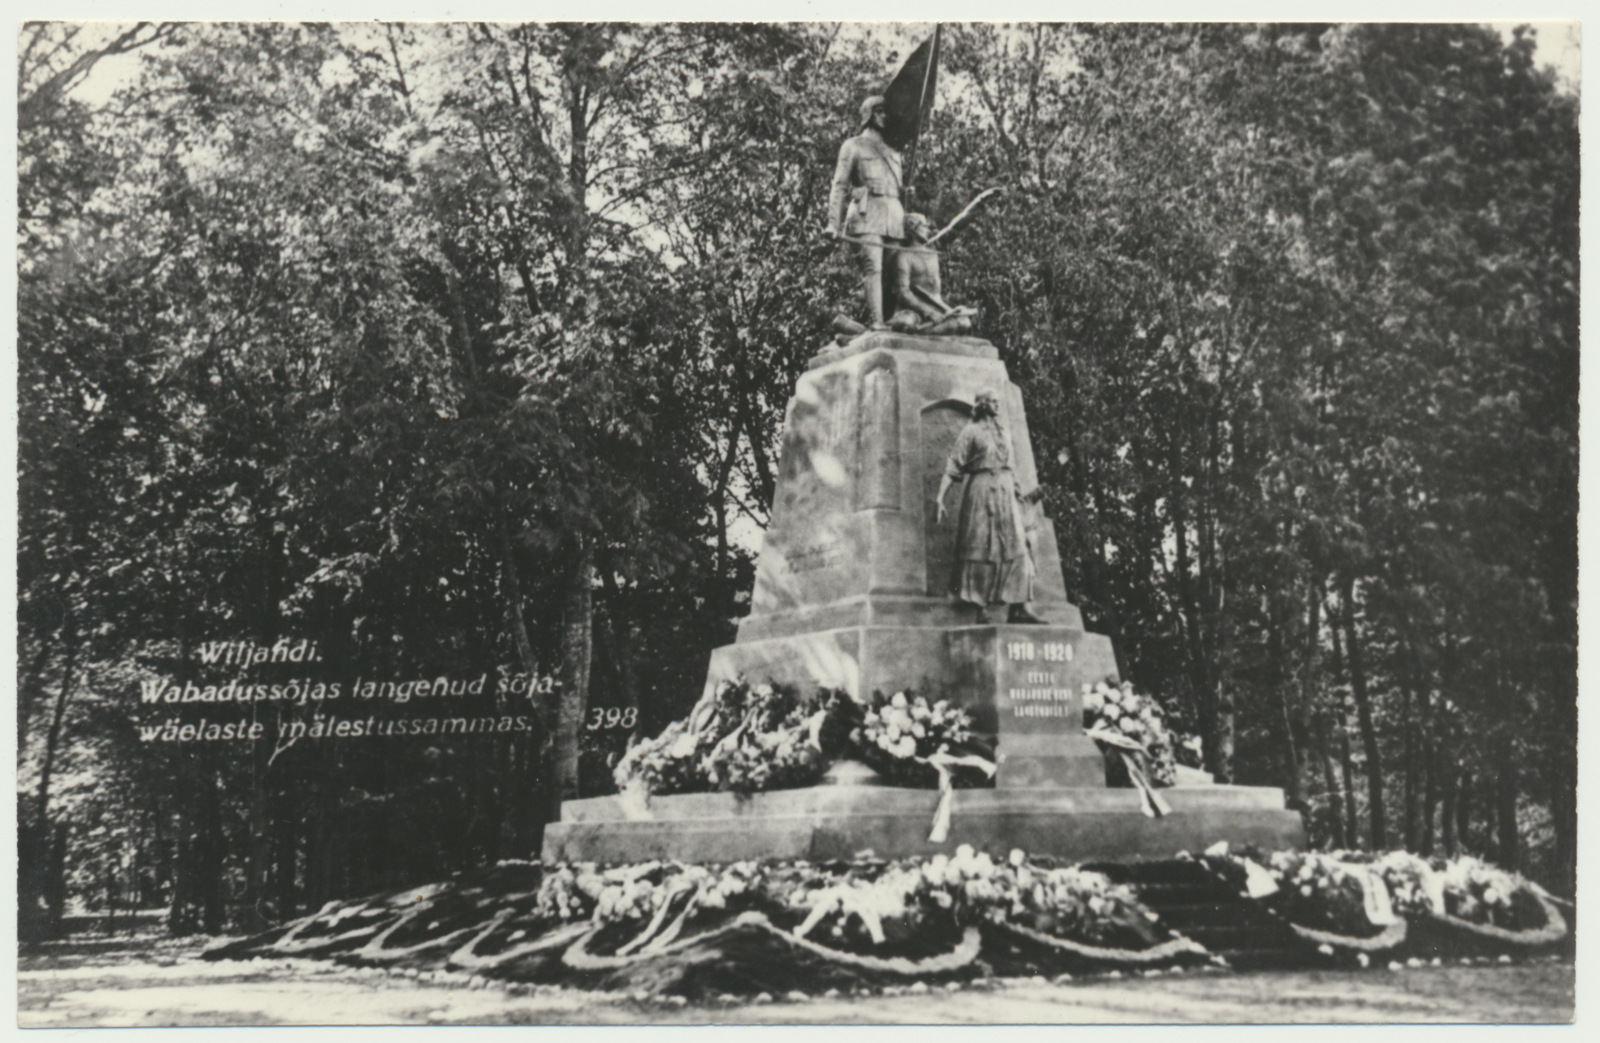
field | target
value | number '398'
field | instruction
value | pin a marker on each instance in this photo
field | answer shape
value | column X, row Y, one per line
column 612, row 717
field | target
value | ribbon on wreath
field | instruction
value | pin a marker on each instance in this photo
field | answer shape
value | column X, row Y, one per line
column 943, row 763
column 1375, row 898
column 1133, row 753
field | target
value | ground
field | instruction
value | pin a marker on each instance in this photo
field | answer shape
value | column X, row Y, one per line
column 147, row 982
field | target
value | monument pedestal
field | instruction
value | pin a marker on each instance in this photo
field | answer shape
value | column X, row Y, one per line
column 828, row 822
column 852, row 593
column 1019, row 683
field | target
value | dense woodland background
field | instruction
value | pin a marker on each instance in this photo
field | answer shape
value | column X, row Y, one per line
column 465, row 347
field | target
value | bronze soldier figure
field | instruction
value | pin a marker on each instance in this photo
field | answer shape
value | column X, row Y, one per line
column 864, row 205
column 918, row 291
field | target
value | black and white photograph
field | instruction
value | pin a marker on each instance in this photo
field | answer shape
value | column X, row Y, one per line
column 862, row 520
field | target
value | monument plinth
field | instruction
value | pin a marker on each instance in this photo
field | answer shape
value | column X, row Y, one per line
column 853, row 592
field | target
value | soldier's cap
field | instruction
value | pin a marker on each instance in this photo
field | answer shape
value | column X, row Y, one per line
column 867, row 106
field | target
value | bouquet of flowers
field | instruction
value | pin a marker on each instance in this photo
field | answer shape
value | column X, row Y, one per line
column 1415, row 886
column 673, row 762
column 1319, row 890
column 1079, row 903
column 775, row 746
column 900, row 733
column 1119, row 712
column 569, row 892
column 640, row 892
column 868, row 905
column 863, row 908
column 669, row 763
column 1122, row 716
column 1478, row 892
column 1496, row 906
column 738, row 737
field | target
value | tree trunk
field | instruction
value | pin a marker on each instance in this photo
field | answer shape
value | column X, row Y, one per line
column 29, row 687
column 518, row 818
column 1336, row 812
column 1564, row 818
column 1094, row 564
column 55, row 893
column 52, row 740
column 1308, row 670
column 1410, row 796
column 1346, row 762
column 511, row 591
column 766, row 482
column 1369, row 732
column 1216, row 711
column 621, row 634
column 1509, row 847
column 1430, row 793
column 719, row 508
column 577, row 647
column 1464, row 800
column 259, row 862
column 1447, row 814
column 258, row 850
column 213, row 904
column 197, row 901
column 1281, row 674
column 1418, row 753
column 319, row 855
column 48, row 840
column 287, row 843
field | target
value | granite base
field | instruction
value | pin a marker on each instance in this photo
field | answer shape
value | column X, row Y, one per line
column 830, row 822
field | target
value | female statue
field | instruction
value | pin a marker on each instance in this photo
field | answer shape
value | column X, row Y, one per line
column 993, row 562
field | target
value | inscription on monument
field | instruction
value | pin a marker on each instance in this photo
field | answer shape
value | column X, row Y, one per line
column 1036, row 687
column 1046, row 694
column 809, row 559
column 1049, row 651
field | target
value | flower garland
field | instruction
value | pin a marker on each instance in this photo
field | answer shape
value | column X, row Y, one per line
column 1338, row 897
column 912, row 915
column 915, row 916
column 860, row 906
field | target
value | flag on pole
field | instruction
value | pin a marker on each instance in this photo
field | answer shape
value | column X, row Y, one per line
column 909, row 97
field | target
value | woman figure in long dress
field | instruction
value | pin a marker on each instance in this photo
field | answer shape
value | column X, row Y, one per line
column 994, row 564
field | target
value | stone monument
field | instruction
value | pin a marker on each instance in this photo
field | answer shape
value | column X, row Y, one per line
column 852, row 592
column 853, row 589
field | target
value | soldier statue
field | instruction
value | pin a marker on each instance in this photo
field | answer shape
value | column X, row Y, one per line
column 864, row 206
column 918, row 293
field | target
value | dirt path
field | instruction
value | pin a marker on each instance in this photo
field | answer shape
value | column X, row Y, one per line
column 167, row 985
